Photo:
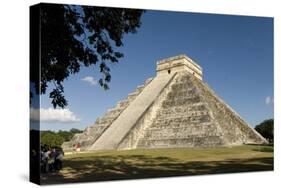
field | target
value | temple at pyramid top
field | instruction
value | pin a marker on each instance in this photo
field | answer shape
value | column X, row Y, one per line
column 177, row 64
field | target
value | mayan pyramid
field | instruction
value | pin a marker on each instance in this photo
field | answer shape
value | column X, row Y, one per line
column 176, row 108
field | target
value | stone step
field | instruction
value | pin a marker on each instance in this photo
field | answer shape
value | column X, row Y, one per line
column 123, row 104
column 182, row 119
column 162, row 135
column 174, row 125
column 113, row 113
column 184, row 142
column 133, row 94
column 147, row 81
column 182, row 102
column 186, row 115
column 140, row 87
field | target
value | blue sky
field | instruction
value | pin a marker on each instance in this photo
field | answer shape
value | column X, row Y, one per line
column 235, row 52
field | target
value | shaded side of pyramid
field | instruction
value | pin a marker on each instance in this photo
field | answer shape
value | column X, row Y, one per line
column 235, row 130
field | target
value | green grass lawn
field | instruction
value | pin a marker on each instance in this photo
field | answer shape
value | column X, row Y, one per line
column 131, row 164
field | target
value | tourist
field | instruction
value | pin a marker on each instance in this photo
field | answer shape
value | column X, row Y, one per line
column 74, row 148
column 44, row 160
column 58, row 160
column 52, row 155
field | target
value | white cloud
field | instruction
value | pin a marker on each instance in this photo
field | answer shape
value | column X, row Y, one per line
column 90, row 80
column 269, row 100
column 53, row 115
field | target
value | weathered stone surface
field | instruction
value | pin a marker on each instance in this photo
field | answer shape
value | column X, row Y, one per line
column 174, row 109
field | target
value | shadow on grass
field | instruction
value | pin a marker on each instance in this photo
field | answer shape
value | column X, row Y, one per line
column 140, row 166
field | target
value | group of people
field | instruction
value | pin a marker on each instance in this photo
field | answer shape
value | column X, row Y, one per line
column 51, row 159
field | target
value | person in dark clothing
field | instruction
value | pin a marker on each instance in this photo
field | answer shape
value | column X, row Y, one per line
column 52, row 156
column 58, row 160
column 44, row 160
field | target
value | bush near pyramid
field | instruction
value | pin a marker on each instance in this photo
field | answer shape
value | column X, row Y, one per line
column 176, row 108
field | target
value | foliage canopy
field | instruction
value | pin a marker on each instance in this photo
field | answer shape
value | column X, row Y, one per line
column 266, row 129
column 56, row 139
column 74, row 36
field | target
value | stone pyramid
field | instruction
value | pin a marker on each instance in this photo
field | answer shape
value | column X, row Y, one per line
column 176, row 108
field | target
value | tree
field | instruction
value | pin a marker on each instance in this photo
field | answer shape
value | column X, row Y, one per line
column 51, row 139
column 73, row 36
column 55, row 139
column 74, row 131
column 66, row 135
column 266, row 129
